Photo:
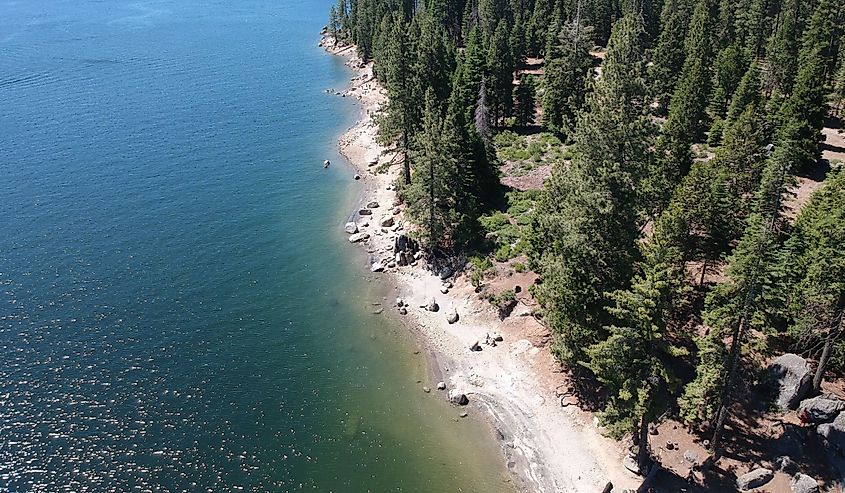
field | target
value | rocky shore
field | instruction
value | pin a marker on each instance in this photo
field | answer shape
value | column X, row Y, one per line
column 479, row 362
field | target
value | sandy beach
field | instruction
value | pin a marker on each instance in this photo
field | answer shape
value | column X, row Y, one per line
column 515, row 385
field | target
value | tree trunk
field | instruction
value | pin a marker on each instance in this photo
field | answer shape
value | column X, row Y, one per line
column 703, row 272
column 431, row 204
column 828, row 347
column 817, row 378
column 406, row 162
column 733, row 362
column 642, row 450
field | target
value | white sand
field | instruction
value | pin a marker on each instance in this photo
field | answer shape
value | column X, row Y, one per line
column 547, row 447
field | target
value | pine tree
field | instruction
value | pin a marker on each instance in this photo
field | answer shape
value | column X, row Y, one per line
column 431, row 203
column 782, row 49
column 630, row 361
column 525, row 100
column 742, row 158
column 815, row 260
column 500, row 67
column 747, row 94
column 568, row 64
column 749, row 25
column 730, row 66
column 733, row 307
column 398, row 121
column 584, row 235
column 687, row 117
column 668, row 55
column 802, row 116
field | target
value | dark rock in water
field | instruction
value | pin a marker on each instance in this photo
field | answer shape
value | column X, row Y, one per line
column 790, row 376
column 801, row 483
column 458, row 398
column 426, row 389
column 821, row 409
column 754, row 479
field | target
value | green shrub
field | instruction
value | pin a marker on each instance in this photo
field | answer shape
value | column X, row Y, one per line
column 519, row 267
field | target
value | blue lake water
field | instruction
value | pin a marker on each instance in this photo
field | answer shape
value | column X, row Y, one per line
column 179, row 308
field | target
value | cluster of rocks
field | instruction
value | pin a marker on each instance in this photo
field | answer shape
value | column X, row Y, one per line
column 800, row 483
column 790, row 377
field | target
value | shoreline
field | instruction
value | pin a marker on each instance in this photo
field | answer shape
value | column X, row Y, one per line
column 545, row 446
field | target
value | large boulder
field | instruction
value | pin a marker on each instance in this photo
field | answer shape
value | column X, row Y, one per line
column 821, row 409
column 791, row 377
column 801, row 483
column 452, row 315
column 431, row 305
column 386, row 221
column 834, row 433
column 754, row 479
column 358, row 237
column 458, row 398
column 351, row 228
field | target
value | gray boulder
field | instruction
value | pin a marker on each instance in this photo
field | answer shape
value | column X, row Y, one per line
column 377, row 267
column 386, row 222
column 754, row 479
column 833, row 433
column 821, row 409
column 446, row 273
column 801, row 483
column 351, row 228
column 431, row 305
column 441, row 385
column 786, row 465
column 372, row 205
column 452, row 315
column 791, row 377
column 458, row 398
column 365, row 212
column 358, row 237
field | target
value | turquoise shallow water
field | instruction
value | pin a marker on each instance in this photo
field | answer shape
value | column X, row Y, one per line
column 178, row 309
